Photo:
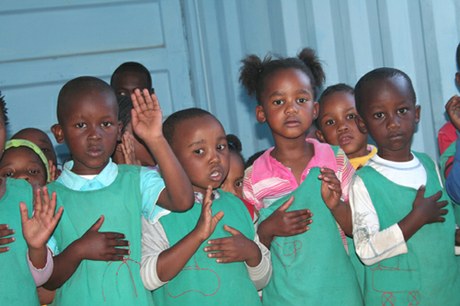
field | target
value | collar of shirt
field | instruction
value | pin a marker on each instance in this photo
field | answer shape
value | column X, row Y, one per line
column 199, row 197
column 77, row 182
column 267, row 167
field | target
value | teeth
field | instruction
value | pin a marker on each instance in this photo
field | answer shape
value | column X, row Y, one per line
column 214, row 174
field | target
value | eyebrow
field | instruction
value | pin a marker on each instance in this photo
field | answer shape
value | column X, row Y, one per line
column 201, row 141
column 300, row 91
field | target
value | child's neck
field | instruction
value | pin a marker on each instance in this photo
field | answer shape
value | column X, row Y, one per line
column 294, row 155
column 395, row 156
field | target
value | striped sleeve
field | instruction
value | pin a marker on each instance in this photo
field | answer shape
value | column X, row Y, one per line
column 345, row 172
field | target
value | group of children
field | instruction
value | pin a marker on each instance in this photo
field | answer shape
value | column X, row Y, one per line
column 148, row 212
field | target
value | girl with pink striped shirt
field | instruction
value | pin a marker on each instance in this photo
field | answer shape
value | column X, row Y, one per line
column 296, row 179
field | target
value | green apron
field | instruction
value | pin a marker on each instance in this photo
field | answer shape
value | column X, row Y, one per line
column 102, row 282
column 17, row 287
column 203, row 281
column 312, row 268
column 427, row 274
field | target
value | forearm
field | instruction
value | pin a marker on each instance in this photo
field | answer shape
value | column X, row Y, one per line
column 410, row 224
column 342, row 214
column 172, row 261
column 178, row 195
column 38, row 256
column 65, row 265
column 265, row 233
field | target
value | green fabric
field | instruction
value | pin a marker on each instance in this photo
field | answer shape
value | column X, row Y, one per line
column 101, row 282
column 427, row 274
column 203, row 281
column 17, row 286
column 312, row 268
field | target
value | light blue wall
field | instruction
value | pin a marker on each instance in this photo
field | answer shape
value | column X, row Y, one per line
column 194, row 47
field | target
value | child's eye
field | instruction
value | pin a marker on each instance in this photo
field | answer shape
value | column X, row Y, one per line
column 8, row 173
column 302, row 100
column 351, row 116
column 278, row 102
column 198, row 151
column 34, row 171
column 379, row 115
column 45, row 150
column 80, row 125
column 403, row 110
column 239, row 183
column 106, row 124
column 329, row 122
column 221, row 147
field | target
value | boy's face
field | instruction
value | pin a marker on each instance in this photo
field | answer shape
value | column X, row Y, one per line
column 234, row 181
column 23, row 163
column 200, row 145
column 287, row 104
column 338, row 126
column 125, row 83
column 391, row 117
column 90, row 130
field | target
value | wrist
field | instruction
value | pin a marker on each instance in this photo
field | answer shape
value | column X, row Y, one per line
column 256, row 257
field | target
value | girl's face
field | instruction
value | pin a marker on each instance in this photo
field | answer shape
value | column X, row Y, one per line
column 287, row 104
column 234, row 181
column 200, row 145
column 338, row 126
column 23, row 163
column 391, row 117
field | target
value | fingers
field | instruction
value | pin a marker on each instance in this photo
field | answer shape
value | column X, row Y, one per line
column 286, row 204
column 231, row 230
column 5, row 231
column 435, row 197
column 97, row 225
column 217, row 217
column 420, row 193
column 24, row 212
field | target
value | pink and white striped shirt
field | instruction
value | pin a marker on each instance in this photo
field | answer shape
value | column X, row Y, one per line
column 268, row 180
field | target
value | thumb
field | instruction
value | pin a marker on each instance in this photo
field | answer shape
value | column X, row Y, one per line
column 231, row 230
column 286, row 204
column 217, row 217
column 96, row 226
column 24, row 212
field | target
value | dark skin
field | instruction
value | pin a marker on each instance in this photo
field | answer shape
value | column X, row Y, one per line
column 391, row 116
column 287, row 105
column 203, row 152
column 177, row 196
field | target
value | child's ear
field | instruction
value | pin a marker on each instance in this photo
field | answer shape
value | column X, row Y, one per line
column 418, row 109
column 260, row 114
column 320, row 135
column 315, row 110
column 457, row 79
column 360, row 123
column 57, row 132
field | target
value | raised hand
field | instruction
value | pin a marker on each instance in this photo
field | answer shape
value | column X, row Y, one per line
column 283, row 223
column 127, row 149
column 233, row 249
column 331, row 189
column 146, row 115
column 207, row 222
column 5, row 237
column 453, row 111
column 38, row 229
column 429, row 210
column 457, row 237
column 106, row 246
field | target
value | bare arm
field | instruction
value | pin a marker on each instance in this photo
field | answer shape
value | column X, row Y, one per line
column 331, row 192
column 147, row 124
